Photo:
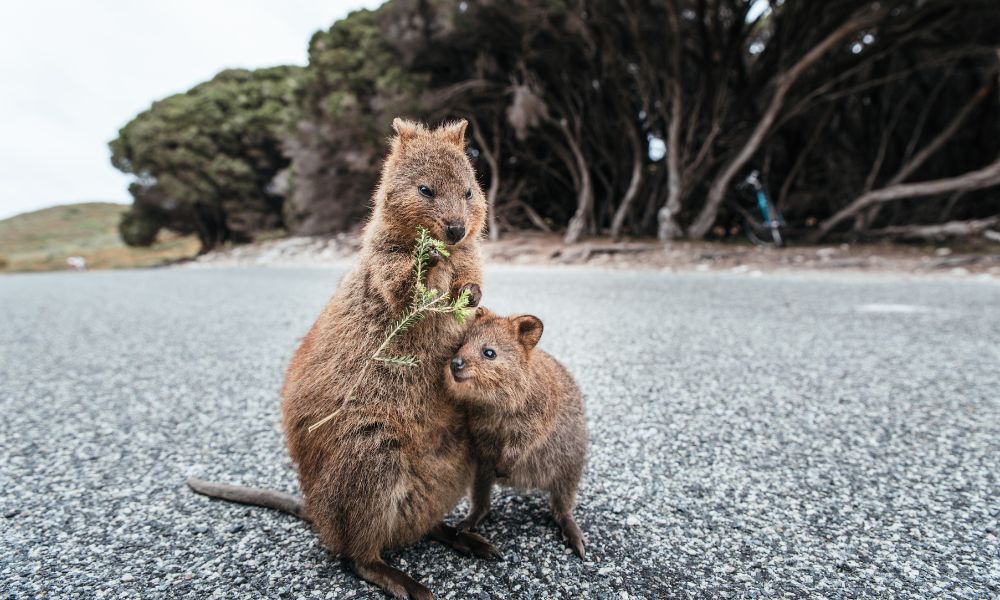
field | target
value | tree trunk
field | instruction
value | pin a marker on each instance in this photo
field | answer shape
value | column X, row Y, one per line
column 986, row 177
column 667, row 227
column 493, row 160
column 719, row 187
column 584, row 194
column 635, row 182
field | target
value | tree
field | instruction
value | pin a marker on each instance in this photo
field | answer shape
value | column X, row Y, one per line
column 204, row 161
column 356, row 82
column 841, row 106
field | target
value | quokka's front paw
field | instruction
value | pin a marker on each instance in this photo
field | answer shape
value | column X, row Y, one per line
column 475, row 293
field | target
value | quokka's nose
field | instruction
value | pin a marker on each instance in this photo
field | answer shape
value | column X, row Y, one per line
column 457, row 364
column 454, row 232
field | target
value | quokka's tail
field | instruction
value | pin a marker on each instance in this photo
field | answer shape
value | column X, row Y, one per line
column 242, row 494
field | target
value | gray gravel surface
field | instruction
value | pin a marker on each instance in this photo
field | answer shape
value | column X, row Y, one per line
column 751, row 437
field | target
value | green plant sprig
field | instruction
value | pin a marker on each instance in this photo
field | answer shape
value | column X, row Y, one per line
column 424, row 301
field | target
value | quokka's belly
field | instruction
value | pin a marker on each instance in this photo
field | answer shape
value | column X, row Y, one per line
column 437, row 473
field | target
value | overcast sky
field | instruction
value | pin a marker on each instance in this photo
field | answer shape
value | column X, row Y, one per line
column 72, row 73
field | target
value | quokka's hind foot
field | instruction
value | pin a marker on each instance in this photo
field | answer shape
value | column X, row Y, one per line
column 466, row 542
column 572, row 534
column 563, row 500
column 392, row 581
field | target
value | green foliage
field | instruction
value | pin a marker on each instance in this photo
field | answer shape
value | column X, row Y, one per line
column 424, row 301
column 357, row 80
column 353, row 64
column 204, row 160
column 421, row 256
column 564, row 98
column 138, row 228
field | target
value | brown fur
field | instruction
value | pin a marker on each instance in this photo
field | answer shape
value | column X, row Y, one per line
column 526, row 417
column 396, row 458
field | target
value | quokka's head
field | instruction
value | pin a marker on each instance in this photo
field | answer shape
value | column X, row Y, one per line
column 492, row 364
column 428, row 180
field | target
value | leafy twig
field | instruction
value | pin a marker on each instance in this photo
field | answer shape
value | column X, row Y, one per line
column 424, row 301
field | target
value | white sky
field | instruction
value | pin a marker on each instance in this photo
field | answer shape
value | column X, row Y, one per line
column 72, row 73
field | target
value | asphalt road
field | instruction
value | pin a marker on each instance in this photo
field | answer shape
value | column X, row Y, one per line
column 751, row 437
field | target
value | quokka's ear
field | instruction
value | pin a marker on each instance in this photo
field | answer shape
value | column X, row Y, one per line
column 406, row 130
column 529, row 330
column 454, row 132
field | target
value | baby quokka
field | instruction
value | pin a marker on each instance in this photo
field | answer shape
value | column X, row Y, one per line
column 526, row 418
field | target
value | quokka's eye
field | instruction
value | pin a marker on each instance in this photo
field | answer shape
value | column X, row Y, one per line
column 468, row 194
column 425, row 191
column 489, row 353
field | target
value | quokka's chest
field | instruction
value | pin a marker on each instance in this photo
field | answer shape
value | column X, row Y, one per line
column 488, row 439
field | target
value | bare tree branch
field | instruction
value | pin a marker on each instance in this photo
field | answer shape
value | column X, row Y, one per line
column 921, row 157
column 988, row 176
column 720, row 185
column 940, row 231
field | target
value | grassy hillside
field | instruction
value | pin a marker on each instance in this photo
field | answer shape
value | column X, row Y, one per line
column 44, row 239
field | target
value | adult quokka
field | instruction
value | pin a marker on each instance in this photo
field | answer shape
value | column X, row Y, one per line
column 526, row 417
column 396, row 457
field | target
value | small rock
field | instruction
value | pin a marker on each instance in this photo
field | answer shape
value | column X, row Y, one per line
column 127, row 577
column 632, row 521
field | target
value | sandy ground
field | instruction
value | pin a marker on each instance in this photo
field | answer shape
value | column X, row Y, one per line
column 544, row 249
